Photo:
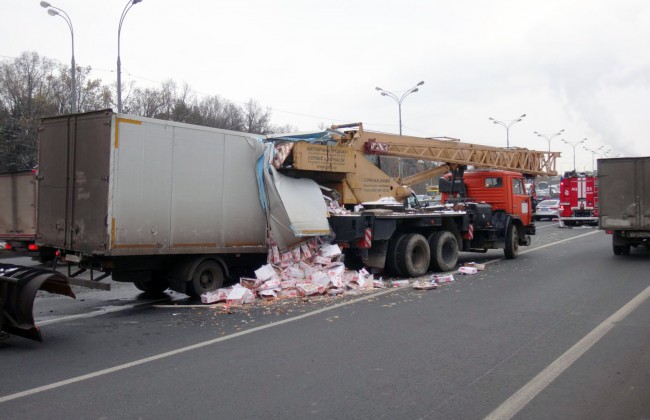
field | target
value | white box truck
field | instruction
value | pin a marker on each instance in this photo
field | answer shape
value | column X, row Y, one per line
column 157, row 203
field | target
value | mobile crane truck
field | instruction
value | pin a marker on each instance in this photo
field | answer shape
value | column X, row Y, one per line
column 485, row 208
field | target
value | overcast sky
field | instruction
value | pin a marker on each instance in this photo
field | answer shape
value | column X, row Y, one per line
column 579, row 65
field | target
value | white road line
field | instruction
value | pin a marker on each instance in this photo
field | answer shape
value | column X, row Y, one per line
column 98, row 312
column 526, row 251
column 203, row 344
column 185, row 349
column 521, row 398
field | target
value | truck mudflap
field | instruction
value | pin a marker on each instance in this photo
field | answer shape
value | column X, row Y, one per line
column 18, row 287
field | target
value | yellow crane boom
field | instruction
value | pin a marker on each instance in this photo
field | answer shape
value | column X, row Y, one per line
column 345, row 166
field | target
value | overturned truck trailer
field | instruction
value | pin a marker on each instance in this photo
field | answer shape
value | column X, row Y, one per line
column 163, row 204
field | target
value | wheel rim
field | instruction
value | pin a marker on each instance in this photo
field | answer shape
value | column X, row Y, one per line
column 207, row 279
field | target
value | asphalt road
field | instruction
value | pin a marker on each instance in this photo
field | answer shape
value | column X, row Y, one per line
column 560, row 332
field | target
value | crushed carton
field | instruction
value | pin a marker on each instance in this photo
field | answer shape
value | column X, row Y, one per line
column 443, row 278
column 240, row 295
column 479, row 267
column 218, row 295
column 307, row 289
column 250, row 283
column 467, row 270
column 329, row 251
column 379, row 283
column 287, row 293
column 399, row 283
column 265, row 272
column 268, row 294
column 425, row 284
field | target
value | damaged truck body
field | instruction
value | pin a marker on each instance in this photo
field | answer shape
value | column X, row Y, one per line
column 156, row 203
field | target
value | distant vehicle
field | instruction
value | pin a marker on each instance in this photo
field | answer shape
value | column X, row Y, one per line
column 579, row 199
column 547, row 209
column 625, row 202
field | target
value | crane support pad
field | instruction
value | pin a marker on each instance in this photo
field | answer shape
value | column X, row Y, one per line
column 18, row 287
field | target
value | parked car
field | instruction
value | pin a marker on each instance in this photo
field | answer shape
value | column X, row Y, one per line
column 547, row 209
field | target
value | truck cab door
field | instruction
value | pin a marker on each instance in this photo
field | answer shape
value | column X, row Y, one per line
column 521, row 206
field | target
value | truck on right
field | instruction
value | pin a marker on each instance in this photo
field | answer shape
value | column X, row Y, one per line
column 624, row 201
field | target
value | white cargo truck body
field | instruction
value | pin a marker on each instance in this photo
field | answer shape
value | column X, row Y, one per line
column 154, row 202
column 624, row 189
column 17, row 210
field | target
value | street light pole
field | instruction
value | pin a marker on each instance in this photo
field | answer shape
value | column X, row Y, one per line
column 574, row 144
column 593, row 156
column 399, row 101
column 55, row 11
column 549, row 138
column 507, row 127
column 128, row 6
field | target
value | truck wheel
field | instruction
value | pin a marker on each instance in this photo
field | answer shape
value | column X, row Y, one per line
column 156, row 282
column 444, row 251
column 621, row 249
column 512, row 242
column 391, row 254
column 413, row 255
column 207, row 277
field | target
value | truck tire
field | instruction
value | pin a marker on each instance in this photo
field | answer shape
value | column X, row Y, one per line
column 621, row 249
column 207, row 277
column 444, row 251
column 156, row 282
column 512, row 242
column 391, row 254
column 413, row 255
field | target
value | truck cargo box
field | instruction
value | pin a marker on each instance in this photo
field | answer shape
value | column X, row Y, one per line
column 624, row 188
column 112, row 184
column 17, row 208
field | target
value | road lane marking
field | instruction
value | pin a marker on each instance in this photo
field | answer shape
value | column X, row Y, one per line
column 102, row 311
column 558, row 242
column 521, row 398
column 205, row 343
column 135, row 363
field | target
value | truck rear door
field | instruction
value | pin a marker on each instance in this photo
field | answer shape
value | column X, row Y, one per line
column 74, row 161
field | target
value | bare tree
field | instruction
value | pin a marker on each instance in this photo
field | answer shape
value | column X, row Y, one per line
column 256, row 119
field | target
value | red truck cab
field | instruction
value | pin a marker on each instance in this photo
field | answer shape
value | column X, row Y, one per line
column 502, row 190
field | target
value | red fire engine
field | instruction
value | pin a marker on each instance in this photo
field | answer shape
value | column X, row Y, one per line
column 578, row 198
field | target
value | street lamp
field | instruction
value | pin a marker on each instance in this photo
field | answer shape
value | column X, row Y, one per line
column 507, row 127
column 128, row 6
column 399, row 100
column 574, row 144
column 593, row 156
column 549, row 138
column 55, row 11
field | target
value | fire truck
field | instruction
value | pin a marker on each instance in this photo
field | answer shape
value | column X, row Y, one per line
column 579, row 199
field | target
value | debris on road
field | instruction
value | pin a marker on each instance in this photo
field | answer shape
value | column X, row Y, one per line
column 467, row 270
column 316, row 268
